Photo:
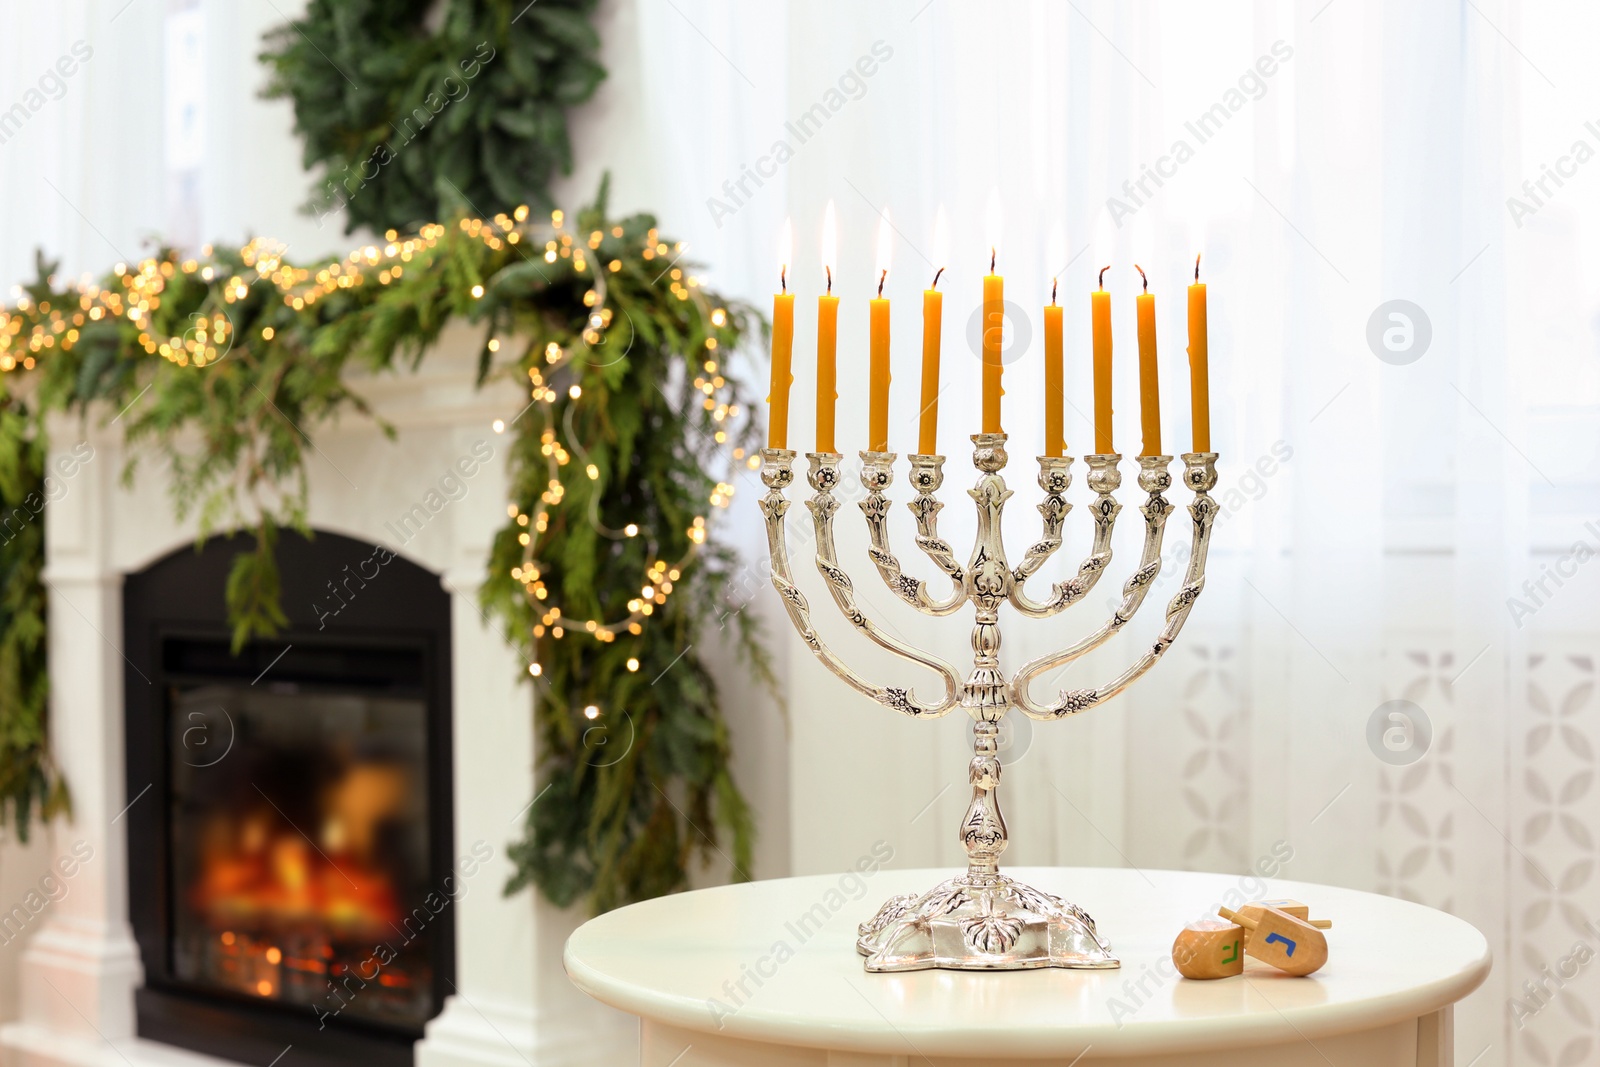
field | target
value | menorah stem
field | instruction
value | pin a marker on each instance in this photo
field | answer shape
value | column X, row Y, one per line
column 989, row 581
column 983, row 830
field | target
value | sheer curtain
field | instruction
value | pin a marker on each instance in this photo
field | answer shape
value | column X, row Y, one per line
column 1404, row 396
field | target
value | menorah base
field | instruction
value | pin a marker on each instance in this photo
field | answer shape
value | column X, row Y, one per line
column 994, row 924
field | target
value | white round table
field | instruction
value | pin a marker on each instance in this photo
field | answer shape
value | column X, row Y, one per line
column 767, row 973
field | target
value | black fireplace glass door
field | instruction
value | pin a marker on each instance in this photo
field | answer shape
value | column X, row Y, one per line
column 297, row 857
column 290, row 839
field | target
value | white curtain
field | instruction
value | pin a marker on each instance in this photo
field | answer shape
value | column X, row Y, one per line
column 1410, row 490
column 1404, row 396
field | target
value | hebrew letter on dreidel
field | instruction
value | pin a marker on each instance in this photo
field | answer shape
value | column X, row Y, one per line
column 1209, row 949
column 1289, row 944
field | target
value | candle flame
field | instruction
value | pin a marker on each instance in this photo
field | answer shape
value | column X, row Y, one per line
column 785, row 251
column 941, row 242
column 1055, row 251
column 991, row 224
column 830, row 242
column 885, row 247
column 1142, row 275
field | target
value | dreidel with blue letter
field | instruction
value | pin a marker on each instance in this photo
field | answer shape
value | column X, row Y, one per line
column 1279, row 939
column 1292, row 908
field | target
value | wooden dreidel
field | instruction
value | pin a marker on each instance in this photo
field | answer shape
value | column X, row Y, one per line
column 1292, row 908
column 1209, row 948
column 1279, row 939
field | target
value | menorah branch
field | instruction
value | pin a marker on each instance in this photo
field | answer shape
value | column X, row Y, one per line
column 1055, row 475
column 877, row 472
column 1200, row 475
column 777, row 473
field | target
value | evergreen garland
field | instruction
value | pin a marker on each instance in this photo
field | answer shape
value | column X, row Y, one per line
column 614, row 472
column 411, row 124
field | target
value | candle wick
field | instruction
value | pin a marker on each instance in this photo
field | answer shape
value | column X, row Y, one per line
column 936, row 277
column 1103, row 275
column 1052, row 292
column 830, row 279
column 783, row 277
column 1142, row 275
column 881, row 277
column 1197, row 268
column 991, row 260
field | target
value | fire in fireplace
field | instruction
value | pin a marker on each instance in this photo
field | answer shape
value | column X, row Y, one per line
column 291, row 865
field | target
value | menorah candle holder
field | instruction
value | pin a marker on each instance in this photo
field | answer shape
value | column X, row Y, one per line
column 984, row 920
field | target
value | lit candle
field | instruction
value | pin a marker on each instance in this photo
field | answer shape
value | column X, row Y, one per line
column 1199, row 370
column 878, row 348
column 1100, row 320
column 1055, row 443
column 994, row 318
column 782, row 347
column 827, row 336
column 1149, row 392
column 932, row 328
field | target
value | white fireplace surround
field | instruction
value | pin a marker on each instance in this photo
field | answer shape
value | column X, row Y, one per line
column 512, row 1006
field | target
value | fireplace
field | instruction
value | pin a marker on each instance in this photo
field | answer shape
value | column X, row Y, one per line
column 291, row 862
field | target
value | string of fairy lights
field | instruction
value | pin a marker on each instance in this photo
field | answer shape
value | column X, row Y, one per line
column 30, row 330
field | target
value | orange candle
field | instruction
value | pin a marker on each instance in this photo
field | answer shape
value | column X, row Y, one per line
column 1199, row 368
column 932, row 331
column 994, row 318
column 932, row 326
column 878, row 394
column 1055, row 442
column 1100, row 320
column 782, row 349
column 1149, row 392
column 827, row 368
column 827, row 338
column 878, row 349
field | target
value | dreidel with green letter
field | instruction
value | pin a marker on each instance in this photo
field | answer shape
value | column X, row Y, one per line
column 1209, row 948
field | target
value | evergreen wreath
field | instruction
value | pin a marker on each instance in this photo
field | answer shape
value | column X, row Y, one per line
column 411, row 124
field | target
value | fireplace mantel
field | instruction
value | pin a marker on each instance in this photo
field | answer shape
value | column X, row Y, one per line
column 80, row 970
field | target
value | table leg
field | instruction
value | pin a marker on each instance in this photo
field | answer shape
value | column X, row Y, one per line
column 1436, row 1038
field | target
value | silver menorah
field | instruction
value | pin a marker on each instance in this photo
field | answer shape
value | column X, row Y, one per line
column 983, row 920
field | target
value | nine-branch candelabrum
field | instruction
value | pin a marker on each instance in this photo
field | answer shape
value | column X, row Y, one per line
column 983, row 920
